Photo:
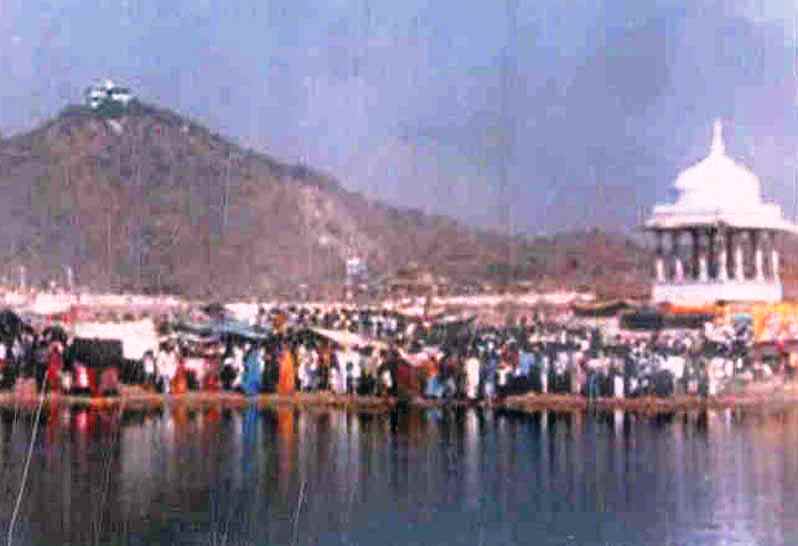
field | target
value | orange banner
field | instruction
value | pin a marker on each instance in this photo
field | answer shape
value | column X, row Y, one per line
column 775, row 322
column 693, row 310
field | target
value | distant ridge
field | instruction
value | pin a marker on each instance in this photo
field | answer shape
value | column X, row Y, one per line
column 148, row 200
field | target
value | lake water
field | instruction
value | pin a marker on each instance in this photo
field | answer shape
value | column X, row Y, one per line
column 450, row 476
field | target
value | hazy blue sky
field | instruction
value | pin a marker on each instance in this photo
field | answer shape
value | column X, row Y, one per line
column 403, row 100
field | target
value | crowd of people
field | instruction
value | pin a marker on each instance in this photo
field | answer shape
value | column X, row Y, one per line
column 397, row 355
column 383, row 353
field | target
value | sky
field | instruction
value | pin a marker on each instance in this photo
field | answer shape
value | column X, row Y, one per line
column 527, row 116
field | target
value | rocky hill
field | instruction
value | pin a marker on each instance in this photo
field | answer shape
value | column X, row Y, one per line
column 148, row 200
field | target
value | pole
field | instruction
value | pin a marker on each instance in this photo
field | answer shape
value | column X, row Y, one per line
column 226, row 198
column 508, row 125
column 794, row 194
column 108, row 247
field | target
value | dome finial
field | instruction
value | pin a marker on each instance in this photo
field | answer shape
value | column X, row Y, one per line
column 718, row 147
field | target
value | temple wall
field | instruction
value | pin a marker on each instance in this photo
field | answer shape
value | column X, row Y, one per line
column 697, row 293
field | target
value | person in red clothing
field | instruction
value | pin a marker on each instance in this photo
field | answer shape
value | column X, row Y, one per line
column 210, row 381
column 179, row 383
column 287, row 382
column 55, row 363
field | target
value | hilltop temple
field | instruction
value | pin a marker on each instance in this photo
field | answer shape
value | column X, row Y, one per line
column 717, row 241
column 107, row 92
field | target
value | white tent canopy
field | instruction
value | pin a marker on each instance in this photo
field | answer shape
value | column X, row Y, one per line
column 51, row 304
column 348, row 339
column 137, row 337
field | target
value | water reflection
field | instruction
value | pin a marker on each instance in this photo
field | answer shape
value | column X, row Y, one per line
column 441, row 475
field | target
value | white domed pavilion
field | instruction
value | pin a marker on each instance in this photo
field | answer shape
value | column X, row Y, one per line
column 730, row 233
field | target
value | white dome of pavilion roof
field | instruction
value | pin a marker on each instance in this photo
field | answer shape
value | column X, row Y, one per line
column 718, row 190
column 718, row 182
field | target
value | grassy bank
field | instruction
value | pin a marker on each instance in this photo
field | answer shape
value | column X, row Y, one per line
column 777, row 396
column 134, row 399
column 649, row 405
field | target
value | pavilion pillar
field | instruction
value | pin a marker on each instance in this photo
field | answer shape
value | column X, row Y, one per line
column 739, row 271
column 694, row 256
column 723, row 258
column 702, row 249
column 767, row 246
column 678, row 268
column 660, row 262
column 712, row 255
column 756, row 245
column 774, row 258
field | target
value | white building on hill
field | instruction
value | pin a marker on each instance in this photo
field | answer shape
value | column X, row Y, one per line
column 356, row 270
column 107, row 92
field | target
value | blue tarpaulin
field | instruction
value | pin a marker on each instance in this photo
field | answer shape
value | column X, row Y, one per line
column 221, row 330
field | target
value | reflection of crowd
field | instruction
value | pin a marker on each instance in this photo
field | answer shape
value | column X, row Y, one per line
column 387, row 354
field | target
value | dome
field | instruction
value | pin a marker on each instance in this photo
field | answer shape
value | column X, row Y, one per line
column 718, row 190
column 718, row 182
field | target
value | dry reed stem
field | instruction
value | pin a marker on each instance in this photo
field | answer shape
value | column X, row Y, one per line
column 15, row 513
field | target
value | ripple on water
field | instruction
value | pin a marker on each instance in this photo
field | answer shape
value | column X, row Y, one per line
column 435, row 476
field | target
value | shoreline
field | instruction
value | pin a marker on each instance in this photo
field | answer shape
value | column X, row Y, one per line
column 780, row 398
column 650, row 405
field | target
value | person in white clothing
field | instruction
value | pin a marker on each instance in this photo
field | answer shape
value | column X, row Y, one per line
column 150, row 373
column 472, row 377
column 167, row 365
column 238, row 365
column 335, row 379
column 303, row 369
